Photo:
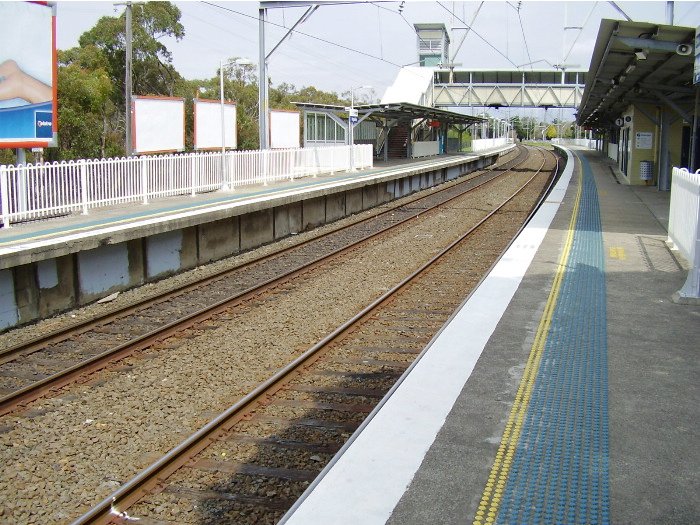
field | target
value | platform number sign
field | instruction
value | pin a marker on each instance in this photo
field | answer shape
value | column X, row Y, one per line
column 696, row 69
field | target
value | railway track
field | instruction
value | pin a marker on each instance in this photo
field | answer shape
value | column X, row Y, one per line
column 249, row 464
column 38, row 367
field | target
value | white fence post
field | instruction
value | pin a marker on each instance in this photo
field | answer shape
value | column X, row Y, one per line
column 4, row 197
column 144, row 179
column 83, row 186
column 193, row 168
column 266, row 164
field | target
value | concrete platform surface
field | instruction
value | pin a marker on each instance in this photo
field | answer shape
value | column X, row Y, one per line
column 200, row 208
column 428, row 455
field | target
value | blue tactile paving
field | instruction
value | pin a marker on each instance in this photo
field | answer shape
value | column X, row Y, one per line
column 560, row 469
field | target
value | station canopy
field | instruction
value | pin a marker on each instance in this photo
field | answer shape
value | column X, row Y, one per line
column 638, row 63
column 394, row 112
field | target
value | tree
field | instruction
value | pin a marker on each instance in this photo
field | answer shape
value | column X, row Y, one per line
column 518, row 127
column 551, row 132
column 152, row 69
column 85, row 112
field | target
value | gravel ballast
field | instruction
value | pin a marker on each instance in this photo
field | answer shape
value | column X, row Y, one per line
column 66, row 453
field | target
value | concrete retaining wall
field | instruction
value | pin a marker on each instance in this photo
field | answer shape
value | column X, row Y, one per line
column 62, row 281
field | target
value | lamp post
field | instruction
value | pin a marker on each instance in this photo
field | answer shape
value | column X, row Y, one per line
column 352, row 119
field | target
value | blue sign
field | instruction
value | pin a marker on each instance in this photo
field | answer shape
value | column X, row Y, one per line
column 43, row 124
column 353, row 120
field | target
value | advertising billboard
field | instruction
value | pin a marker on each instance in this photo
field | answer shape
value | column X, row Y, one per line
column 207, row 124
column 28, row 75
column 158, row 124
column 284, row 129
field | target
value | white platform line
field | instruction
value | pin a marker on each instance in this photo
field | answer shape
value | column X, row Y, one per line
column 371, row 474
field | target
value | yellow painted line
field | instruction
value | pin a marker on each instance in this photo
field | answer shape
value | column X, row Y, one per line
column 617, row 252
column 495, row 485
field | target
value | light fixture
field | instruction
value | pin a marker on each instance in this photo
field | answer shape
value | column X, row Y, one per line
column 641, row 54
column 630, row 68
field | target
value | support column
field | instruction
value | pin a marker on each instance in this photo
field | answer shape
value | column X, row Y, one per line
column 387, row 130
column 693, row 162
column 664, row 156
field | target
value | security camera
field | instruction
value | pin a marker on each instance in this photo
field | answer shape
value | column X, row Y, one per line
column 684, row 49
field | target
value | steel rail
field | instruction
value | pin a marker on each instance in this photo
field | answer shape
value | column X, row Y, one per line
column 408, row 370
column 156, row 474
column 69, row 375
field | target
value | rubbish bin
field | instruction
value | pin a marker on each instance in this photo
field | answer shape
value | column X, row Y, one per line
column 646, row 170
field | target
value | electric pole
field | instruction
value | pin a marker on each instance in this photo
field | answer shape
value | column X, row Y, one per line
column 128, row 85
column 127, row 80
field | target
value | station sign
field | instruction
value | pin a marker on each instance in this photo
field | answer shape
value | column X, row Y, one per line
column 352, row 112
column 353, row 120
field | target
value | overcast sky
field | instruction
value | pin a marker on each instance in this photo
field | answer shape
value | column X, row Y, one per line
column 503, row 36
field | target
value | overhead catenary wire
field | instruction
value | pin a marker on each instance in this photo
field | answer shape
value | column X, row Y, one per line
column 269, row 22
column 522, row 29
column 341, row 67
column 595, row 4
column 400, row 13
column 477, row 34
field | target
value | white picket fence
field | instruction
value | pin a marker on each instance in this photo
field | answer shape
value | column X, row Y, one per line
column 484, row 144
column 44, row 190
column 684, row 225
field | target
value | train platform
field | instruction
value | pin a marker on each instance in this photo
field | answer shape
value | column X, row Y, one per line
column 564, row 390
column 115, row 222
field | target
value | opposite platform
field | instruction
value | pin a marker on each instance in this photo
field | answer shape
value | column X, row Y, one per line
column 576, row 401
column 54, row 265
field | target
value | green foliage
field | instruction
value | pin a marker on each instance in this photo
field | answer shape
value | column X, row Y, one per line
column 85, row 112
column 551, row 132
column 152, row 70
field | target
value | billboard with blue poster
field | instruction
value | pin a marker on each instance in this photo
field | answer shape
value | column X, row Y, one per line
column 28, row 75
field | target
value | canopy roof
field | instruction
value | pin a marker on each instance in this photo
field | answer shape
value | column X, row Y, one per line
column 637, row 63
column 396, row 111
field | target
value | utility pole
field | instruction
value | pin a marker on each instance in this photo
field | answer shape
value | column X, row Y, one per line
column 127, row 81
column 263, row 100
column 262, row 81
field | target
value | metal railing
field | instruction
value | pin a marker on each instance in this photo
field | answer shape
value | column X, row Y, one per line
column 52, row 189
column 684, row 225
